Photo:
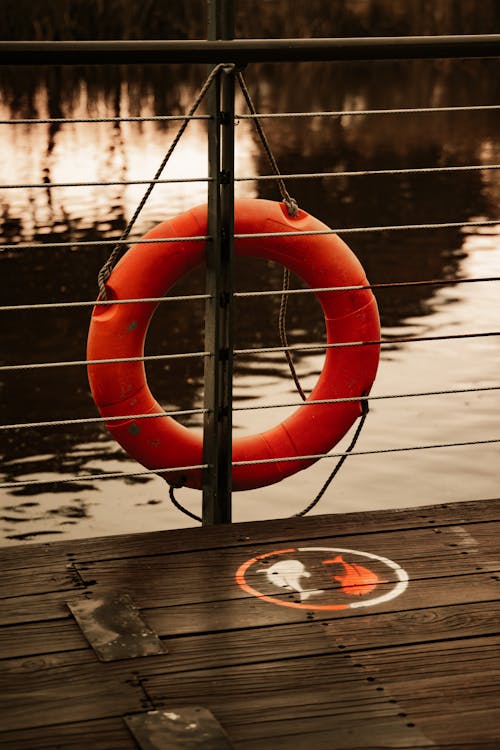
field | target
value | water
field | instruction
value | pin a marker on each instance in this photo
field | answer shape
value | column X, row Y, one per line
column 106, row 151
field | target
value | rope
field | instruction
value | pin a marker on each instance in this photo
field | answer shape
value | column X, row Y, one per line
column 292, row 208
column 180, row 507
column 107, row 268
column 290, row 203
column 283, row 334
column 315, row 501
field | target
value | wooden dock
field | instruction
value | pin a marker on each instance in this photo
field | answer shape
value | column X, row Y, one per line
column 369, row 630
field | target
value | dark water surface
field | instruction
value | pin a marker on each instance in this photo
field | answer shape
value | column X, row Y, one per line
column 127, row 151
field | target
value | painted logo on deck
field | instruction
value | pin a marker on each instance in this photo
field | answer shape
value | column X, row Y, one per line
column 322, row 578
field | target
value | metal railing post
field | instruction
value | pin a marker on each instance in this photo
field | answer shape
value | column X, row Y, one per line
column 217, row 433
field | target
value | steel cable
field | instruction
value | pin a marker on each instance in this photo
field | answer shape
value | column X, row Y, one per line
column 261, row 293
column 286, row 405
column 310, row 457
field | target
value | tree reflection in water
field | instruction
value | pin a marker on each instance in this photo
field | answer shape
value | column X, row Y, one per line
column 124, row 151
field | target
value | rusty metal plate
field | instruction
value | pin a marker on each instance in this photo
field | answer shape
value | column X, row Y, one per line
column 187, row 728
column 113, row 626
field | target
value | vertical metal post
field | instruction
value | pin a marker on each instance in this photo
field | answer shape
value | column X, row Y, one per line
column 217, row 437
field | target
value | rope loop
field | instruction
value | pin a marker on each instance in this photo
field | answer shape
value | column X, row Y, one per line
column 177, row 504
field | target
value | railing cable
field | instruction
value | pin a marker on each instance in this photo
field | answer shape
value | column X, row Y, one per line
column 373, row 172
column 258, row 407
column 256, row 235
column 260, row 293
column 255, row 462
column 116, row 120
column 252, row 351
column 364, row 112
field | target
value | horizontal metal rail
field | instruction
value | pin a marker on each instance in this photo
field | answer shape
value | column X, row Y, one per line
column 242, row 51
column 291, row 404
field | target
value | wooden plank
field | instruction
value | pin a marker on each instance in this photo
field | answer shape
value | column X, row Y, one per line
column 231, row 614
column 186, row 578
column 36, row 607
column 449, row 688
column 424, row 552
column 41, row 638
column 296, row 699
column 417, row 625
column 36, row 580
column 197, row 652
column 248, row 533
column 65, row 694
column 212, row 616
column 418, row 670
column 99, row 735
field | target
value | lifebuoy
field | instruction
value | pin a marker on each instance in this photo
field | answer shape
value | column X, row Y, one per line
column 150, row 269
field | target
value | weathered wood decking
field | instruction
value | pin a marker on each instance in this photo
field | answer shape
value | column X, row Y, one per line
column 420, row 669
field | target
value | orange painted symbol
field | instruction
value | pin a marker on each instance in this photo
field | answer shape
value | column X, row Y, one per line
column 297, row 577
column 356, row 579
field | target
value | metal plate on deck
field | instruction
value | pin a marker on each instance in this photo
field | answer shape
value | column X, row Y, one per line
column 187, row 728
column 113, row 626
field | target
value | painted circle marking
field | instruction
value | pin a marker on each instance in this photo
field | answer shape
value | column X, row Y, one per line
column 287, row 575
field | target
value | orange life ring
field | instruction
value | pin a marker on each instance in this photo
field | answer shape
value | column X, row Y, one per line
column 149, row 270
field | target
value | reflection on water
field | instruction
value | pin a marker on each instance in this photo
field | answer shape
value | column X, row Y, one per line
column 75, row 152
